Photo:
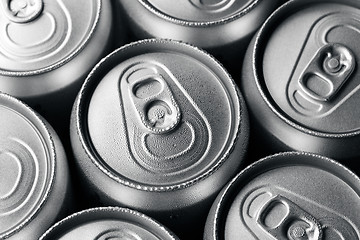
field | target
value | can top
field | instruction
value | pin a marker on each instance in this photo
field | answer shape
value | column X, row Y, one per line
column 108, row 223
column 27, row 165
column 200, row 12
column 159, row 115
column 40, row 35
column 309, row 71
column 292, row 196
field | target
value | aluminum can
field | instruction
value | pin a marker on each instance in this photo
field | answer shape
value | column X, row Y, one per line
column 290, row 195
column 47, row 48
column 108, row 223
column 222, row 27
column 304, row 80
column 159, row 126
column 34, row 180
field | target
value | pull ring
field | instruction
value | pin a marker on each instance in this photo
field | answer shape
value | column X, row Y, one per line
column 152, row 97
column 329, row 69
column 293, row 224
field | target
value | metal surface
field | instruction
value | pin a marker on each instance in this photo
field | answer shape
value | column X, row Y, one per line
column 290, row 195
column 108, row 223
column 199, row 12
column 22, row 11
column 48, row 47
column 34, row 177
column 222, row 27
column 303, row 78
column 206, row 24
column 159, row 126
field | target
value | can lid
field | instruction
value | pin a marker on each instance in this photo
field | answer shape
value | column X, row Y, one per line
column 27, row 165
column 40, row 35
column 108, row 223
column 310, row 70
column 293, row 196
column 200, row 12
column 164, row 115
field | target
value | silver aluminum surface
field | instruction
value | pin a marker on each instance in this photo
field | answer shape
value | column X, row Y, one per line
column 206, row 24
column 34, row 180
column 108, row 223
column 303, row 78
column 291, row 195
column 222, row 27
column 159, row 126
column 48, row 47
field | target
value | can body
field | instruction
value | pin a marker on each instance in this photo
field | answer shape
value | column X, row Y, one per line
column 159, row 126
column 309, row 94
column 224, row 28
column 291, row 195
column 34, row 173
column 46, row 52
column 108, row 223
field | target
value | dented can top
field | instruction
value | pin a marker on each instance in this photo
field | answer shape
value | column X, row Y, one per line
column 314, row 80
column 159, row 116
column 32, row 165
column 108, row 223
column 292, row 195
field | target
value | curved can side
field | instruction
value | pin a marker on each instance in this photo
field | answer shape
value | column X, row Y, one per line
column 145, row 126
column 294, row 92
column 45, row 59
column 223, row 28
column 108, row 223
column 289, row 195
column 35, row 185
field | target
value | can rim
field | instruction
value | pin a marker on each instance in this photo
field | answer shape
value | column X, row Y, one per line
column 182, row 22
column 228, row 192
column 97, row 210
column 256, row 56
column 80, row 107
column 65, row 60
column 45, row 133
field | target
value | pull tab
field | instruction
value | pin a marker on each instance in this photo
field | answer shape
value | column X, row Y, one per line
column 22, row 11
column 153, row 99
column 284, row 220
column 328, row 70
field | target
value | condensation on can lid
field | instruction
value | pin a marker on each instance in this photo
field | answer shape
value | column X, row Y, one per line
column 38, row 36
column 165, row 115
column 108, row 223
column 200, row 12
column 295, row 196
column 27, row 165
column 310, row 64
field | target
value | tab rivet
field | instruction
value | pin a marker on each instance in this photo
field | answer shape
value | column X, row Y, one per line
column 17, row 5
column 298, row 232
column 156, row 114
column 22, row 11
column 333, row 64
